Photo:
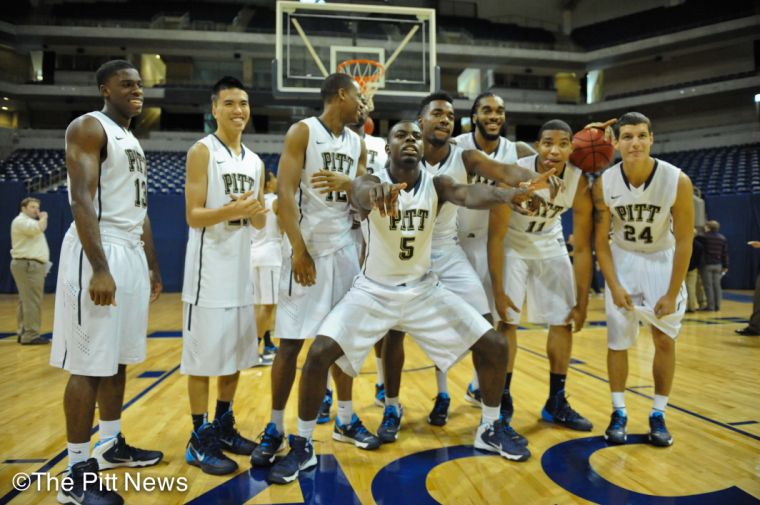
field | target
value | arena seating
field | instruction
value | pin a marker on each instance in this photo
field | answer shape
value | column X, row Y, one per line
column 680, row 85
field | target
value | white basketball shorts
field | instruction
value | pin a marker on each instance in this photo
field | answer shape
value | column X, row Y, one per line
column 266, row 282
column 458, row 276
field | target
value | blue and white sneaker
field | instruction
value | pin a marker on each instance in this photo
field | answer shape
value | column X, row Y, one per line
column 658, row 432
column 115, row 452
column 440, row 413
column 324, row 410
column 616, row 432
column 355, row 433
column 205, row 451
column 472, row 395
column 391, row 424
column 270, row 443
column 516, row 437
column 495, row 438
column 230, row 438
column 558, row 410
column 269, row 351
column 380, row 395
column 86, row 488
column 300, row 457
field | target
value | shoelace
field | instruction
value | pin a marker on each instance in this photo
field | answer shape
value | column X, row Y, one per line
column 267, row 439
column 617, row 422
column 658, row 423
column 359, row 428
column 441, row 404
column 566, row 412
column 390, row 418
column 210, row 443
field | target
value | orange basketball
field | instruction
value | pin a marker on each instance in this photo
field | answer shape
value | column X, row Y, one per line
column 591, row 152
column 369, row 126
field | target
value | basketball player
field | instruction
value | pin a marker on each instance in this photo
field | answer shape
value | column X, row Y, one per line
column 527, row 255
column 223, row 195
column 376, row 160
column 650, row 205
column 266, row 260
column 320, row 158
column 488, row 117
column 436, row 117
column 108, row 274
column 397, row 290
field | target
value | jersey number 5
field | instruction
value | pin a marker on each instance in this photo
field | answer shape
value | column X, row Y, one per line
column 407, row 249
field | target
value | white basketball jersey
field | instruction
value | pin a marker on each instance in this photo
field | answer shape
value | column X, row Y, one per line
column 324, row 218
column 641, row 219
column 376, row 155
column 266, row 243
column 474, row 222
column 540, row 236
column 399, row 249
column 445, row 231
column 121, row 200
column 218, row 257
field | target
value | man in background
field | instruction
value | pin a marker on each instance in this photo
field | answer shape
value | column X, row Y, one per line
column 715, row 263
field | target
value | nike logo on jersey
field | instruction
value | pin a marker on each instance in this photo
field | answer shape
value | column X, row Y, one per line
column 219, row 162
column 615, row 197
column 119, row 138
column 323, row 142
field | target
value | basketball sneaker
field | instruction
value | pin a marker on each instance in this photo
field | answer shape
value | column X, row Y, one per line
column 270, row 443
column 516, row 437
column 91, row 493
column 205, row 451
column 658, row 432
column 557, row 410
column 230, row 438
column 616, row 433
column 495, row 438
column 269, row 351
column 300, row 457
column 507, row 408
column 391, row 424
column 355, row 433
column 440, row 413
column 115, row 452
column 380, row 395
column 324, row 410
column 472, row 395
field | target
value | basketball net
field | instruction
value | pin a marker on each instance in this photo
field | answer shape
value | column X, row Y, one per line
column 367, row 73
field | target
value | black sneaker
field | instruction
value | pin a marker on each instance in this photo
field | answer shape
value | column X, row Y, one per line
column 324, row 410
column 516, row 437
column 472, row 395
column 230, row 438
column 270, row 443
column 495, row 438
column 391, row 424
column 440, row 413
column 115, row 452
column 747, row 332
column 557, row 410
column 658, row 432
column 507, row 408
column 93, row 493
column 300, row 457
column 380, row 395
column 616, row 433
column 205, row 451
column 355, row 433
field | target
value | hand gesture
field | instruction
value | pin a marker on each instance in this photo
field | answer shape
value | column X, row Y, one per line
column 43, row 215
column 258, row 210
column 102, row 288
column 503, row 302
column 384, row 197
column 241, row 207
column 577, row 317
column 304, row 271
column 664, row 306
column 754, row 243
column 609, row 135
column 326, row 181
column 621, row 298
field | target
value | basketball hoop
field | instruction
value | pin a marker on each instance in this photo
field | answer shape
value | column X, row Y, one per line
column 367, row 73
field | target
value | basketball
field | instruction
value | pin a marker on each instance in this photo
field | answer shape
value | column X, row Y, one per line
column 369, row 126
column 591, row 152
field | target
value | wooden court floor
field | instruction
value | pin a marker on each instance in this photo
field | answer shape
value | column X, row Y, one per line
column 714, row 417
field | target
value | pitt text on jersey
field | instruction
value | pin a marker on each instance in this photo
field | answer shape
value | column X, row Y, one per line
column 638, row 212
column 411, row 220
column 237, row 183
column 337, row 162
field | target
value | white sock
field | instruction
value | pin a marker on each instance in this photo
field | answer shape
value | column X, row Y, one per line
column 489, row 415
column 78, row 452
column 380, row 372
column 278, row 418
column 440, row 377
column 475, row 383
column 393, row 402
column 345, row 411
column 660, row 402
column 109, row 429
column 306, row 428
column 618, row 402
column 329, row 379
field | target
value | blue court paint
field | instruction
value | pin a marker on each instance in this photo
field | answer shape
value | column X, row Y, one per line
column 326, row 483
column 166, row 334
column 737, row 297
column 568, row 464
column 597, row 324
column 402, row 482
column 742, row 423
column 151, row 374
column 574, row 361
column 21, row 461
column 6, row 335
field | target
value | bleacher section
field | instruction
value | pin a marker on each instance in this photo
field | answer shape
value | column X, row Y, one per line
column 490, row 32
column 680, row 85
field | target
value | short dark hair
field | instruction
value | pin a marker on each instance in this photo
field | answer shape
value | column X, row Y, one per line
column 226, row 82
column 109, row 68
column 432, row 97
column 390, row 130
column 632, row 118
column 554, row 124
column 476, row 103
column 333, row 83
column 26, row 201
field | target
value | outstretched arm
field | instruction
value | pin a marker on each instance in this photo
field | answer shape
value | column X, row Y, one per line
column 369, row 193
column 482, row 196
column 506, row 173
